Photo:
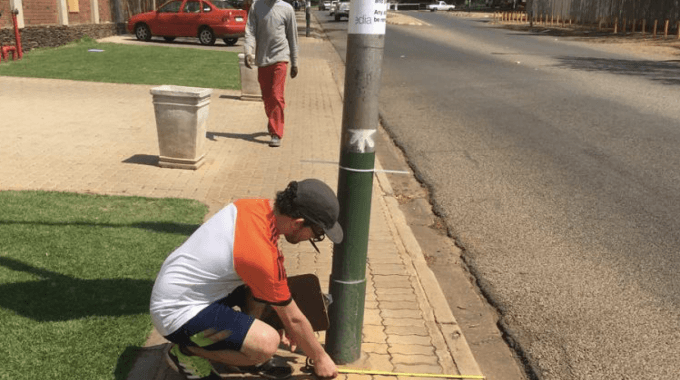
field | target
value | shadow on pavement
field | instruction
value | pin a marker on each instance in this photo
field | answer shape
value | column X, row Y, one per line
column 252, row 137
column 230, row 97
column 125, row 362
column 142, row 159
column 665, row 72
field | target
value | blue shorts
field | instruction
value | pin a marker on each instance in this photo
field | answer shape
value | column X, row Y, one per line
column 218, row 316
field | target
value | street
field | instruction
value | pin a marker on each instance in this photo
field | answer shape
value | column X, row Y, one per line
column 553, row 164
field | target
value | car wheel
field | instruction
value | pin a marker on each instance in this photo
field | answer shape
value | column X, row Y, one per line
column 169, row 39
column 142, row 32
column 206, row 36
column 230, row 41
column 337, row 17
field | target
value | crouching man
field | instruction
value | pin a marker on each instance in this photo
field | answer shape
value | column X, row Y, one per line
column 191, row 304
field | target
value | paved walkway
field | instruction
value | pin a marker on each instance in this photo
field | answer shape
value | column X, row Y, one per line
column 101, row 138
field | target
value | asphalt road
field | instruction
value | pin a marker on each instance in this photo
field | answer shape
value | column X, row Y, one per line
column 555, row 168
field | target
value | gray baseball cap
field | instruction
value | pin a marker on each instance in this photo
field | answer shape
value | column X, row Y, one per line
column 318, row 204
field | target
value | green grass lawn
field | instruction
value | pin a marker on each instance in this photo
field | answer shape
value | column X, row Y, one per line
column 76, row 273
column 118, row 63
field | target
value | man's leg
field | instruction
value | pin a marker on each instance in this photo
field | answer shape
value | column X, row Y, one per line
column 221, row 334
column 260, row 345
column 272, row 81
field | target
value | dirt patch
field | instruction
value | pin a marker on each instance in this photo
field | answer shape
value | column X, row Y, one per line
column 646, row 46
column 398, row 18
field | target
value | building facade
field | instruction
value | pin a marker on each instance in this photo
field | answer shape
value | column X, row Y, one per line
column 44, row 23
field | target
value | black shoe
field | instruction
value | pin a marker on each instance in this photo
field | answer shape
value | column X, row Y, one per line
column 275, row 368
column 191, row 366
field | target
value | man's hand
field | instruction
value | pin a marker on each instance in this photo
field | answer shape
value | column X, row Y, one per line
column 250, row 61
column 288, row 341
column 325, row 368
column 293, row 71
column 298, row 327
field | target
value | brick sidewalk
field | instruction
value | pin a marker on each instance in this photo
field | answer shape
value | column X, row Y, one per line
column 101, row 138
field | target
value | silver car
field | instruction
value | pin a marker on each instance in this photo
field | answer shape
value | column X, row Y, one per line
column 333, row 7
column 342, row 10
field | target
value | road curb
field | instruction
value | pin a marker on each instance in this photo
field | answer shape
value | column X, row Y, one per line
column 447, row 326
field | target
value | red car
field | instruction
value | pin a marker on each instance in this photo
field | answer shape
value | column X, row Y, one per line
column 204, row 19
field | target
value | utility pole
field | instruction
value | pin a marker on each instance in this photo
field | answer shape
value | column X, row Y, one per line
column 308, row 9
column 363, row 70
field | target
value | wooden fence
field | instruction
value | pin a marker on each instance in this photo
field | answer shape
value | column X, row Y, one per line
column 607, row 11
column 658, row 27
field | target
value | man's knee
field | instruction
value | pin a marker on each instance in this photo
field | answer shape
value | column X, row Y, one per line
column 261, row 342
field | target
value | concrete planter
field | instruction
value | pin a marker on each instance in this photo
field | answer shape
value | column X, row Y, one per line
column 250, row 87
column 181, row 122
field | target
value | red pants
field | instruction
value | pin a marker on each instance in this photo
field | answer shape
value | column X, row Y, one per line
column 272, row 80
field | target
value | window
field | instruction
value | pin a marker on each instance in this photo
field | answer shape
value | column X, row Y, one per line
column 223, row 4
column 73, row 6
column 171, row 7
column 192, row 7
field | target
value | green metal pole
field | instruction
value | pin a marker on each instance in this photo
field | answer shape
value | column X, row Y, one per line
column 365, row 42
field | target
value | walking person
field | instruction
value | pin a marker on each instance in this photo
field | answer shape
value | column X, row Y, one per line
column 270, row 44
column 236, row 252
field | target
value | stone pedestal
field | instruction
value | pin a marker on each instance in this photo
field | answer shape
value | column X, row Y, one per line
column 250, row 87
column 181, row 122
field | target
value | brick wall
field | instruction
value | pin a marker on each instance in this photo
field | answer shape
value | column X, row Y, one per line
column 84, row 14
column 6, row 18
column 105, row 11
column 45, row 12
column 40, row 12
column 56, row 35
column 42, row 29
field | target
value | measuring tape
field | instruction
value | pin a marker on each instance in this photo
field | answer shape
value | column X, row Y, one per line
column 310, row 367
column 386, row 373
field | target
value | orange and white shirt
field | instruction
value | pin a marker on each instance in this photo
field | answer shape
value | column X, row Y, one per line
column 237, row 245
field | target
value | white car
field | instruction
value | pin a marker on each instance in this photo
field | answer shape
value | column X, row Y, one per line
column 323, row 5
column 440, row 6
column 333, row 7
column 342, row 10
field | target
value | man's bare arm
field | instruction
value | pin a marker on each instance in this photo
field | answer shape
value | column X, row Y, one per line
column 298, row 327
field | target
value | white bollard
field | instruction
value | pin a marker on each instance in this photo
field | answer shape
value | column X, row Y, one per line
column 250, row 87
column 181, row 122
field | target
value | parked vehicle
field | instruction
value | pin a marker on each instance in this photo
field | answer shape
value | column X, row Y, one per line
column 342, row 10
column 323, row 5
column 333, row 7
column 204, row 19
column 440, row 6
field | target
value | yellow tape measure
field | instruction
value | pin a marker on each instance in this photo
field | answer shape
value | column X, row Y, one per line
column 309, row 367
column 386, row 373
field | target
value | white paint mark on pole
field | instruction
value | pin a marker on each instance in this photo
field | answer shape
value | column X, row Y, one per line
column 361, row 139
column 367, row 17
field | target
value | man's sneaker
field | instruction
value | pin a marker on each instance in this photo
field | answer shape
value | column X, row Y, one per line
column 275, row 368
column 191, row 366
column 275, row 142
